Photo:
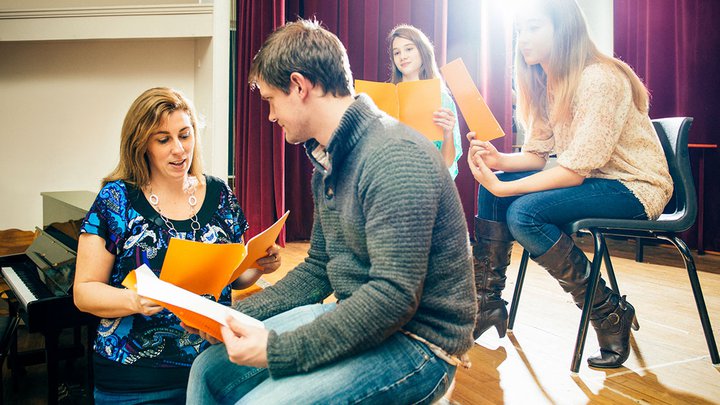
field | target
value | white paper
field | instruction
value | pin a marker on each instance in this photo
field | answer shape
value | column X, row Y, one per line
column 148, row 285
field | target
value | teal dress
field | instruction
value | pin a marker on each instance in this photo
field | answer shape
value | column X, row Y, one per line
column 447, row 102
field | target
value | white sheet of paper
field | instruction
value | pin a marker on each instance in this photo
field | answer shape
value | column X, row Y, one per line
column 148, row 285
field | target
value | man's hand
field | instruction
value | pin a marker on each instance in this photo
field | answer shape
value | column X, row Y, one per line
column 246, row 345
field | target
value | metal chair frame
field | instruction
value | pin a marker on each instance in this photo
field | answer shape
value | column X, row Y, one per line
column 673, row 134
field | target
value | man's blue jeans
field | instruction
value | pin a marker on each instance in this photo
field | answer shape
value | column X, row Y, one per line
column 533, row 218
column 401, row 370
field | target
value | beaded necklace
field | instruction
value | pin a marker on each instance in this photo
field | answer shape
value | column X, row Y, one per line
column 192, row 202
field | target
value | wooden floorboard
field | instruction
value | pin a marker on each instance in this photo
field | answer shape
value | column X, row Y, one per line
column 669, row 363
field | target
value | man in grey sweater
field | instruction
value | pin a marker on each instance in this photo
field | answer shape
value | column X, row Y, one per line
column 389, row 240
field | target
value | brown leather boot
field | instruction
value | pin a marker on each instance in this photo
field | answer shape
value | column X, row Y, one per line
column 613, row 332
column 611, row 315
column 491, row 252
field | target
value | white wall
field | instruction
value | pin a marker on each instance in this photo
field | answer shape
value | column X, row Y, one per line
column 62, row 104
column 599, row 16
column 64, row 91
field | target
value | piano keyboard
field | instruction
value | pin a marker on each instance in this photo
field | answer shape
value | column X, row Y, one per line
column 25, row 284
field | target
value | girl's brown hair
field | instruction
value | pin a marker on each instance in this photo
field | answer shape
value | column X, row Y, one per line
column 429, row 68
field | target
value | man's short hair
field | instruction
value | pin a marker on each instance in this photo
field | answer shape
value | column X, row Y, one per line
column 305, row 47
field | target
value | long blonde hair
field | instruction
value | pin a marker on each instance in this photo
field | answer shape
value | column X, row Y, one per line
column 572, row 51
column 144, row 117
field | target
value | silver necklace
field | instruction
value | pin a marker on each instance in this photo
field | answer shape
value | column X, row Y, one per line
column 192, row 202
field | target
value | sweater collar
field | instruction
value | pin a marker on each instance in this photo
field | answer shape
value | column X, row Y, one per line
column 353, row 125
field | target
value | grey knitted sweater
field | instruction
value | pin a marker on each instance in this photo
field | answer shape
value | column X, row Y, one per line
column 389, row 239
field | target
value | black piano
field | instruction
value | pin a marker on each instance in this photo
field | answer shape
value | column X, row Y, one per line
column 41, row 279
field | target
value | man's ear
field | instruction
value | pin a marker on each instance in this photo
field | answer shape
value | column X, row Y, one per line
column 301, row 84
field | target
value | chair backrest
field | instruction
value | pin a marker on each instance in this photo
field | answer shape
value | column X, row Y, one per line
column 673, row 134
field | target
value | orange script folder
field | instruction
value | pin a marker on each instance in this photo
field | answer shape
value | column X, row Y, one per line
column 193, row 310
column 477, row 114
column 192, row 269
column 205, row 268
column 411, row 103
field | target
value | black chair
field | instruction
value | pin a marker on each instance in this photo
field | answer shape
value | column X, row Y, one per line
column 679, row 217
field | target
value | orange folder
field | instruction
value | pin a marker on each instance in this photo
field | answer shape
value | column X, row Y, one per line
column 412, row 103
column 205, row 268
column 193, row 310
column 202, row 268
column 477, row 114
column 188, row 317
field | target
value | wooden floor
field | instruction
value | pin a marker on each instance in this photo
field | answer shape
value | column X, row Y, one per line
column 669, row 363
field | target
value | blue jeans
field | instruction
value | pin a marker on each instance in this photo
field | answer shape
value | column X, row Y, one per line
column 401, row 370
column 169, row 397
column 533, row 218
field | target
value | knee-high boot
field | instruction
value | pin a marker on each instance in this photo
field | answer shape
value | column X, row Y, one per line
column 611, row 314
column 491, row 252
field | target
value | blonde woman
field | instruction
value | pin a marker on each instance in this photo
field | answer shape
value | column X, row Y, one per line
column 592, row 111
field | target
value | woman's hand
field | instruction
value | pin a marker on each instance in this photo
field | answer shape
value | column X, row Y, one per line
column 445, row 119
column 200, row 333
column 271, row 262
column 142, row 305
column 264, row 265
column 486, row 151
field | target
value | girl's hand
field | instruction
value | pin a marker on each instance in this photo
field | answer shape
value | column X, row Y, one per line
column 483, row 174
column 486, row 151
column 445, row 119
column 271, row 262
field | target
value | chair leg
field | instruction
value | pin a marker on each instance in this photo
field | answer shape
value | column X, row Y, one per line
column 697, row 292
column 589, row 299
column 518, row 288
column 639, row 250
column 610, row 269
column 613, row 281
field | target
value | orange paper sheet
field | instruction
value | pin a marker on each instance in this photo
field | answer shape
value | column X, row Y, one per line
column 412, row 103
column 204, row 268
column 477, row 114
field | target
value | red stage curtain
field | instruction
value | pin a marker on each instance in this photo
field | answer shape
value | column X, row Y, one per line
column 260, row 147
column 471, row 29
column 672, row 45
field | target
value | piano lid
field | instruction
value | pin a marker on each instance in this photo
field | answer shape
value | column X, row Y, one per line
column 63, row 213
column 55, row 262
